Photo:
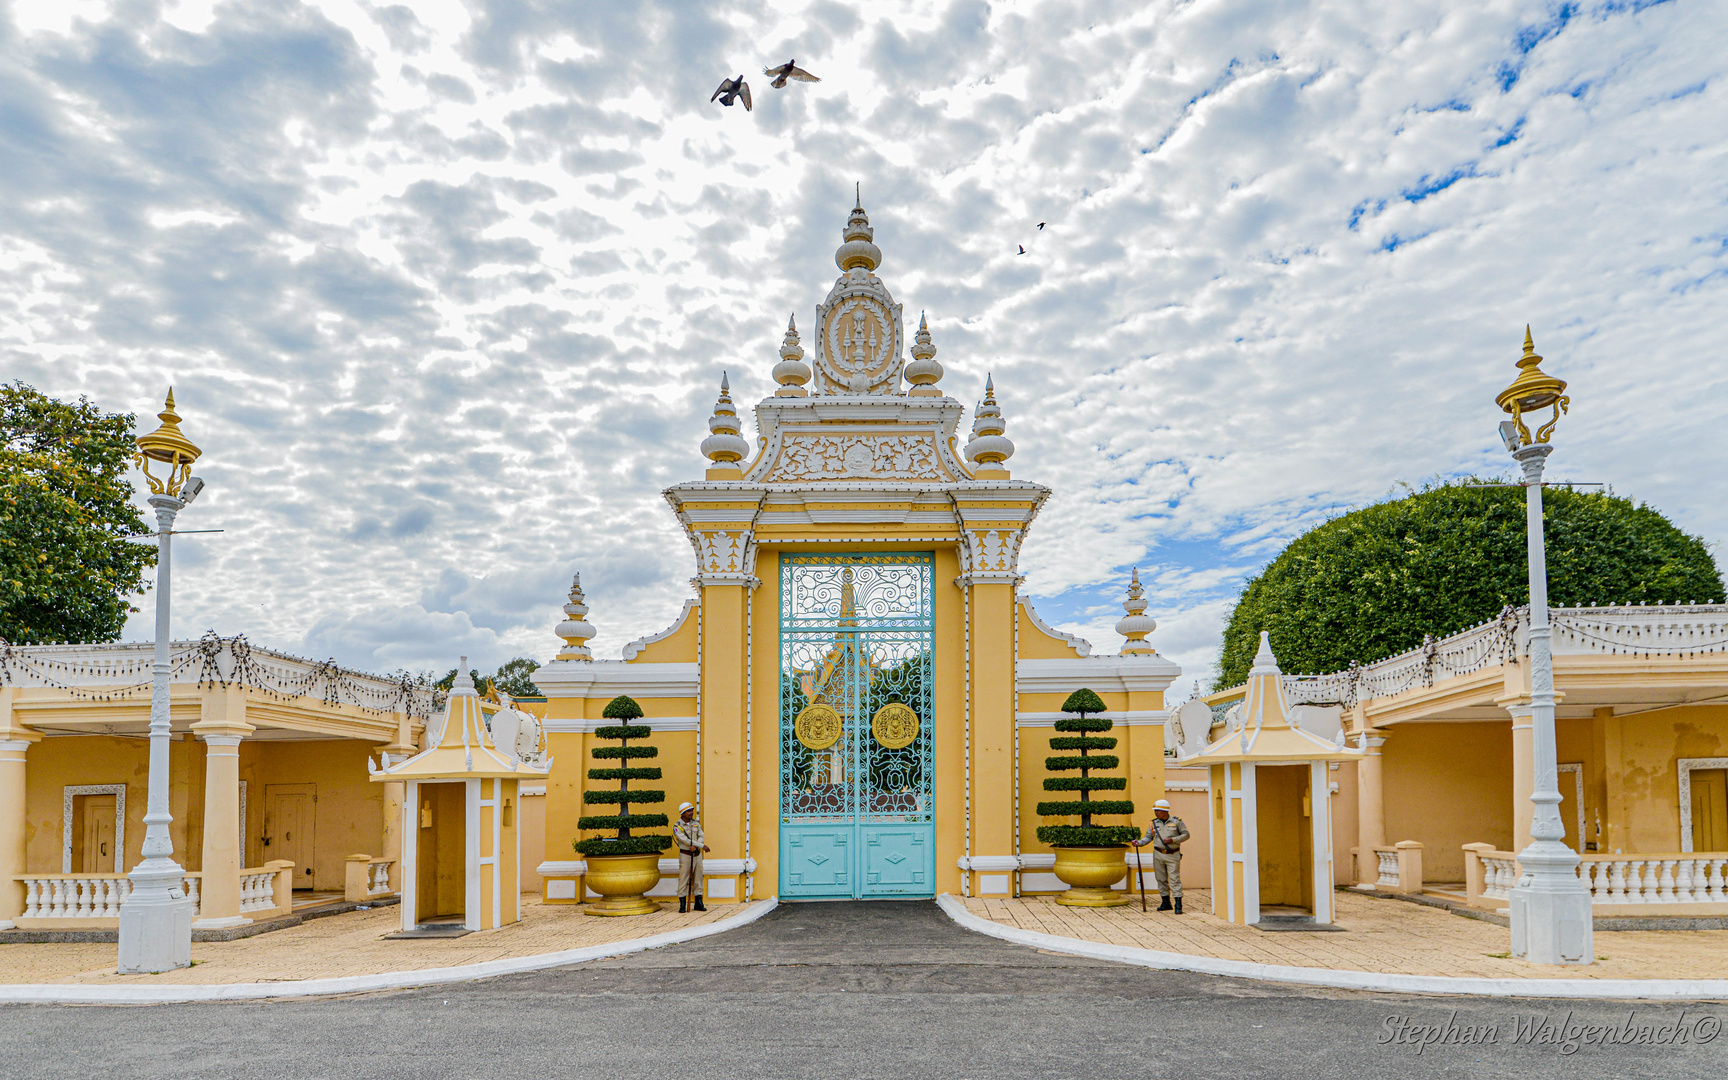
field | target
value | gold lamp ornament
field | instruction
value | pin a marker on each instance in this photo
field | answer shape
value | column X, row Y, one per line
column 167, row 445
column 1532, row 391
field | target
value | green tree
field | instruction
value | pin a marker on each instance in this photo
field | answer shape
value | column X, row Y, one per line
column 621, row 842
column 1084, row 702
column 513, row 677
column 1371, row 583
column 66, row 565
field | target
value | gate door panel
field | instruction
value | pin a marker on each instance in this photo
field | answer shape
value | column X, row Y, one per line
column 857, row 637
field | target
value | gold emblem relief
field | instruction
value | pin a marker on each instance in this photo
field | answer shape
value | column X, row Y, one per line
column 858, row 345
column 817, row 726
column 895, row 726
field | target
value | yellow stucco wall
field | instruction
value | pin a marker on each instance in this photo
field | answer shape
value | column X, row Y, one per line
column 54, row 763
column 1641, row 771
column 1447, row 785
column 349, row 818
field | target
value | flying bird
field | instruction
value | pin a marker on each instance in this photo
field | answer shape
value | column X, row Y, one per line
column 1022, row 250
column 788, row 70
column 732, row 90
column 1041, row 226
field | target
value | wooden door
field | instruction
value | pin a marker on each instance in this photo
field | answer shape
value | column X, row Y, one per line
column 290, row 817
column 97, row 840
column 1710, row 809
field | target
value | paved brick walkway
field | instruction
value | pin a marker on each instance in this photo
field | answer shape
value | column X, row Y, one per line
column 349, row 944
column 1387, row 936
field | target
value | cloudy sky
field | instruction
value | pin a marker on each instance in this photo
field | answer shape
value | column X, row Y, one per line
column 445, row 290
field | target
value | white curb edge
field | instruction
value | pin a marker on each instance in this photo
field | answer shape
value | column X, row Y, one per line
column 63, row 994
column 1619, row 989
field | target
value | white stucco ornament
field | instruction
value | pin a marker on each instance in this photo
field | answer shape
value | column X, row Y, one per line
column 859, row 334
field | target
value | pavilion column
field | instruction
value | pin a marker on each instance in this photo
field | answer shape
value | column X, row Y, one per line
column 222, row 727
column 1523, row 771
column 721, row 767
column 15, row 740
column 1370, row 804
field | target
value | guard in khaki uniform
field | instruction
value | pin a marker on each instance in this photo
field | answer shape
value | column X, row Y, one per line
column 688, row 836
column 1166, row 834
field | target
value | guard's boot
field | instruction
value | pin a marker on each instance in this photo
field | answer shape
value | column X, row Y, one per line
column 683, row 904
column 1178, row 905
column 1163, row 903
column 699, row 906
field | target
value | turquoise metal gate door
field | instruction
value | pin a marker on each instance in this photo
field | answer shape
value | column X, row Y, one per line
column 857, row 763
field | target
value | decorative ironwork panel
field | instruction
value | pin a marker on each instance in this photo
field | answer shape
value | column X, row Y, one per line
column 856, row 636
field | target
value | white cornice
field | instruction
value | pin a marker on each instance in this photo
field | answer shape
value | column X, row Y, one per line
column 1105, row 674
column 609, row 678
column 1121, row 717
column 634, row 648
column 587, row 726
column 1078, row 644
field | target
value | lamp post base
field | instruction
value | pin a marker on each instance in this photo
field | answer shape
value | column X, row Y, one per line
column 1550, row 915
column 155, row 926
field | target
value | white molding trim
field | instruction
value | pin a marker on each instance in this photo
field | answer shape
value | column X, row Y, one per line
column 1116, row 674
column 136, row 994
column 668, row 867
column 989, row 863
column 562, row 868
column 1038, row 861
column 1123, row 718
column 634, row 648
column 119, row 793
column 587, row 727
column 1078, row 644
column 609, row 678
column 1635, row 989
column 1187, row 785
column 1684, row 767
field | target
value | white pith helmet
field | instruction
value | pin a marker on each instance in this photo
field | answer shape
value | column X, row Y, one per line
column 1161, row 804
column 683, row 806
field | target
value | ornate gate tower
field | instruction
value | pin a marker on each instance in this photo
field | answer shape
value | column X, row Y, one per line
column 857, row 660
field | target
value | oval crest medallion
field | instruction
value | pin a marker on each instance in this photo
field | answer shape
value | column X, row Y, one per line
column 817, row 726
column 895, row 726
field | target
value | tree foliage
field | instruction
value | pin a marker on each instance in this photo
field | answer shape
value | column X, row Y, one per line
column 1372, row 582
column 1085, row 834
column 620, row 824
column 66, row 567
column 512, row 677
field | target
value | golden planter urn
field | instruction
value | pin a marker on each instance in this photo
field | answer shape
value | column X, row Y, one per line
column 621, row 880
column 1089, row 873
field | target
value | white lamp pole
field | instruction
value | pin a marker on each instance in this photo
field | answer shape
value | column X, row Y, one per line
column 1551, row 918
column 156, row 916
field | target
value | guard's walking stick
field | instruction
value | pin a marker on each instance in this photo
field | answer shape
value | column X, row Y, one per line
column 1140, row 870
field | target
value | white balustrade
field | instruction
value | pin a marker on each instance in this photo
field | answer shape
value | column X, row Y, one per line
column 1387, row 860
column 1684, row 878
column 1499, row 874
column 378, row 883
column 73, row 896
column 257, row 890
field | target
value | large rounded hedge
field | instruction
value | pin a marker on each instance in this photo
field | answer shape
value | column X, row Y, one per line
column 1372, row 582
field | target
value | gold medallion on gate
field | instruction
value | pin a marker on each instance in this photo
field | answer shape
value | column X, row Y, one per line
column 818, row 726
column 895, row 726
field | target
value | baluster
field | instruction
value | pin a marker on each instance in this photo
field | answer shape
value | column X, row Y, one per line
column 30, row 899
column 1715, row 894
column 1617, row 882
column 86, row 899
column 110, row 898
column 1597, row 880
column 1635, row 881
column 246, row 892
column 1665, row 890
column 62, row 899
column 1650, row 875
column 1683, row 881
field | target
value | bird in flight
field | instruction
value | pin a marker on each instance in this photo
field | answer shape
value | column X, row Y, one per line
column 1022, row 250
column 732, row 90
column 1041, row 226
column 788, row 70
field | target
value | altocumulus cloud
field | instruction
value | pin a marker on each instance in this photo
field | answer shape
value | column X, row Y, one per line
column 445, row 290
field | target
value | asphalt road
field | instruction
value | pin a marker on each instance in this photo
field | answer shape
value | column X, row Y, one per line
column 839, row 991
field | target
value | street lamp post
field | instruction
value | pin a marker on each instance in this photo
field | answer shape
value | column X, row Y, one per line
column 1551, row 920
column 156, row 916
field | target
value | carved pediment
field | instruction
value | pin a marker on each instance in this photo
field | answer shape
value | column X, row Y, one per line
column 811, row 457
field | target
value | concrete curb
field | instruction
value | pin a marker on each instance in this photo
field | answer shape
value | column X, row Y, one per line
column 1613, row 989
column 62, row 994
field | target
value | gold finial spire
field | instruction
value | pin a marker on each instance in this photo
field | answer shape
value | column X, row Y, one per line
column 1532, row 390
column 724, row 446
column 858, row 250
column 168, row 445
column 791, row 372
column 1135, row 625
column 575, row 629
column 989, row 446
column 923, row 372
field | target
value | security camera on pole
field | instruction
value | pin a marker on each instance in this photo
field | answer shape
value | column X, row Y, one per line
column 156, row 915
column 1551, row 918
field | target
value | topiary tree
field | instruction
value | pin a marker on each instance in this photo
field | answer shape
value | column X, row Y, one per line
column 1372, row 582
column 620, row 824
column 1084, row 702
